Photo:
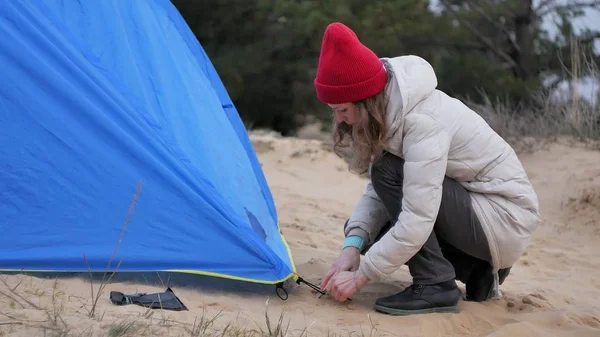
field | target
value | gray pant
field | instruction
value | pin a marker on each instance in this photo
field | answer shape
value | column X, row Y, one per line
column 457, row 244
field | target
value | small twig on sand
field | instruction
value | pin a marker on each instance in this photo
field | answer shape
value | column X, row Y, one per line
column 11, row 323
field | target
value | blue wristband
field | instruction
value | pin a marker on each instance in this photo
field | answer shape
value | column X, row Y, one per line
column 354, row 241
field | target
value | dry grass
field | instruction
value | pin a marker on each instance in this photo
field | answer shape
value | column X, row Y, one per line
column 37, row 313
column 96, row 297
column 552, row 118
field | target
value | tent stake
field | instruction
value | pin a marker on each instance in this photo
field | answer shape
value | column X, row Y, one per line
column 313, row 286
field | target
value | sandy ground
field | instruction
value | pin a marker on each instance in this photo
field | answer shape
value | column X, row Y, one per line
column 553, row 290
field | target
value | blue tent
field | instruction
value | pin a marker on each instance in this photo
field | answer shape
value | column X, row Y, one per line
column 98, row 98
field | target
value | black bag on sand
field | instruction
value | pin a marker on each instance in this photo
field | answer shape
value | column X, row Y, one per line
column 166, row 300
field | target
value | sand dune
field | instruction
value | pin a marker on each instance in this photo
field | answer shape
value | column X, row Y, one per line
column 553, row 291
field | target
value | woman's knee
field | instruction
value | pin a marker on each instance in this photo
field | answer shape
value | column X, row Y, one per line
column 387, row 168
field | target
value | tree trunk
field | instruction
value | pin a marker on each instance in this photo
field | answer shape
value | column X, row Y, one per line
column 524, row 37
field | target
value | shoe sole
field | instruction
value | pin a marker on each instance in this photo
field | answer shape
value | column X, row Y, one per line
column 400, row 312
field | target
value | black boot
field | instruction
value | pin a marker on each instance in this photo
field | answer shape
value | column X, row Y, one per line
column 503, row 274
column 422, row 299
column 480, row 285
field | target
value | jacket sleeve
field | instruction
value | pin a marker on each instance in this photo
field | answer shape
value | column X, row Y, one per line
column 425, row 151
column 368, row 217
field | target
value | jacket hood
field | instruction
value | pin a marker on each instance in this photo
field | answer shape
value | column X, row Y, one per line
column 413, row 80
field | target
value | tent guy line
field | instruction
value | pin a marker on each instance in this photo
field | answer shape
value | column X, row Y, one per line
column 283, row 294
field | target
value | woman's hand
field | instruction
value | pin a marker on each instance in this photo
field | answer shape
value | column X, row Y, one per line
column 349, row 260
column 345, row 284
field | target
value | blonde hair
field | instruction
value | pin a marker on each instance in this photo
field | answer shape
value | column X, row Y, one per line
column 364, row 140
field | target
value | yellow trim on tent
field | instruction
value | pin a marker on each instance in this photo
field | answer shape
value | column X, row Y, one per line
column 294, row 273
column 195, row 272
column 289, row 251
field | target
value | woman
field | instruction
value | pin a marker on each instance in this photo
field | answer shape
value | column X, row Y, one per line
column 447, row 196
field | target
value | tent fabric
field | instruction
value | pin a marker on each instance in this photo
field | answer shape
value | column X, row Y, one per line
column 97, row 96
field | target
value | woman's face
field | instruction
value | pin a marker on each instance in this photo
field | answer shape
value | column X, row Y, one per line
column 344, row 113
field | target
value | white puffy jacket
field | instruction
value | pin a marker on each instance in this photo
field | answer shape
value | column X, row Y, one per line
column 438, row 135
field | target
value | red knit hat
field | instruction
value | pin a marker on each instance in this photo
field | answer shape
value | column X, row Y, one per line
column 348, row 71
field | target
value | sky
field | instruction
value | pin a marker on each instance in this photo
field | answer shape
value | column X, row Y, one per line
column 590, row 20
column 588, row 87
